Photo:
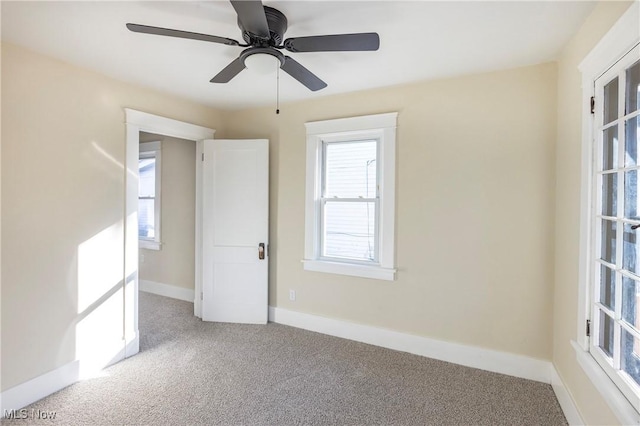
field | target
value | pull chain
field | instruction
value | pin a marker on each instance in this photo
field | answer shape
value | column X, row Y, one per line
column 278, row 90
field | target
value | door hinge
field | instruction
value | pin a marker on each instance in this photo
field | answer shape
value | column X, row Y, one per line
column 201, row 296
column 593, row 105
column 588, row 328
column 203, row 156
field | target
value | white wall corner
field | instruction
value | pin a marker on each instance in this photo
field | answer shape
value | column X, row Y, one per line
column 565, row 400
column 167, row 290
column 470, row 356
column 35, row 389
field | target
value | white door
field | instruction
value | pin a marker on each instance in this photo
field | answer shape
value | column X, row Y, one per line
column 235, row 231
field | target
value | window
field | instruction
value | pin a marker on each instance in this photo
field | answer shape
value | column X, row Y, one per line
column 149, row 168
column 615, row 313
column 350, row 200
column 609, row 294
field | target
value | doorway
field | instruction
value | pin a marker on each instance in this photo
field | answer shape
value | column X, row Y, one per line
column 136, row 122
column 166, row 216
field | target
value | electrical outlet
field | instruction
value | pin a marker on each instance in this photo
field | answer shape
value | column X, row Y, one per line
column 292, row 295
column 142, row 258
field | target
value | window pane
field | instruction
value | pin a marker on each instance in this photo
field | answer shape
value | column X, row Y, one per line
column 631, row 194
column 610, row 148
column 350, row 169
column 630, row 250
column 630, row 294
column 632, row 141
column 630, row 355
column 610, row 194
column 632, row 91
column 147, row 168
column 611, row 101
column 608, row 246
column 349, row 230
column 146, row 218
column 605, row 334
column 607, row 287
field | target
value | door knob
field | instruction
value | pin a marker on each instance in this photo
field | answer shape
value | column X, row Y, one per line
column 261, row 251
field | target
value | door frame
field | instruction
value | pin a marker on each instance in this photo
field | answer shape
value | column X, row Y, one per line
column 136, row 122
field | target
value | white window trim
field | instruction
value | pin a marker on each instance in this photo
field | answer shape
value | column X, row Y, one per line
column 156, row 242
column 379, row 126
column 620, row 39
column 616, row 400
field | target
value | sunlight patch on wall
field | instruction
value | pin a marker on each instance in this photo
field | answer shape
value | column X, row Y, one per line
column 99, row 265
column 99, row 336
column 112, row 159
column 99, row 329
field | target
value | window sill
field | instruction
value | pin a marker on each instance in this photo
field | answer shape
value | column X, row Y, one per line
column 149, row 245
column 620, row 405
column 354, row 270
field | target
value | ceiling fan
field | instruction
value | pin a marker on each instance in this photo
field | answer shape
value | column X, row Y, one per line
column 263, row 28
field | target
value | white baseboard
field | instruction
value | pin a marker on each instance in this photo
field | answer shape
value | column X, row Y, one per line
column 175, row 292
column 565, row 400
column 470, row 356
column 35, row 389
column 44, row 385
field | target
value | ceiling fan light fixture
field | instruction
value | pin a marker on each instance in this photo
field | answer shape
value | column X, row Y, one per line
column 263, row 30
column 262, row 63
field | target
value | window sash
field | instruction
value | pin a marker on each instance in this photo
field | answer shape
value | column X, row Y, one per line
column 323, row 232
column 149, row 150
column 325, row 145
column 322, row 216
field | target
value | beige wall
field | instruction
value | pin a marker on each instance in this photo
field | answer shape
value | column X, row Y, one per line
column 174, row 264
column 474, row 213
column 63, row 144
column 568, row 159
column 487, row 204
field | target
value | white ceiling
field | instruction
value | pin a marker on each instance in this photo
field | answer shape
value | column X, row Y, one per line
column 418, row 40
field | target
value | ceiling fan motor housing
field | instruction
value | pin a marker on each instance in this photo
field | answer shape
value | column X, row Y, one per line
column 277, row 23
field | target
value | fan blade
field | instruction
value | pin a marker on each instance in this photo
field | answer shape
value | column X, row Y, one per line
column 229, row 72
column 136, row 28
column 252, row 17
column 334, row 43
column 303, row 75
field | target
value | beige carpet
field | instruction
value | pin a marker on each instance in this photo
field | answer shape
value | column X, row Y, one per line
column 190, row 372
